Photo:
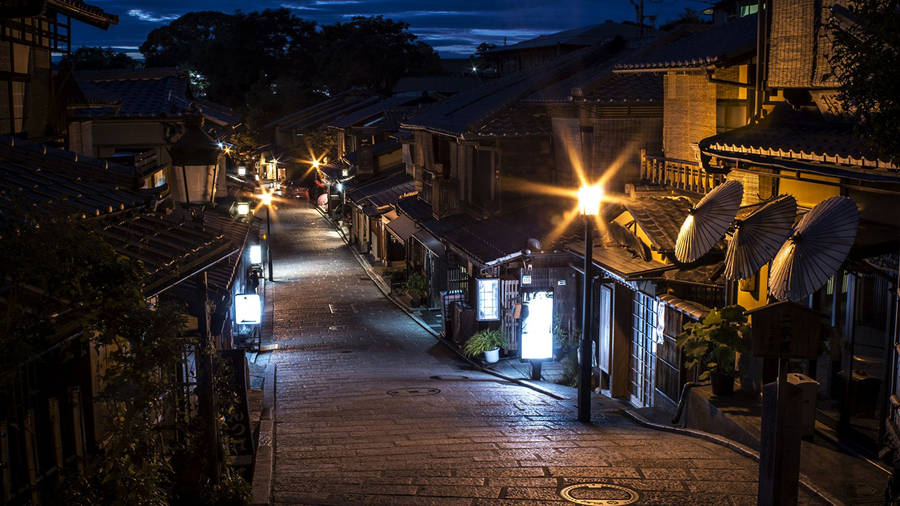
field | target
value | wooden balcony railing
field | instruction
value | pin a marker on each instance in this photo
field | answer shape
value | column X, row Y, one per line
column 678, row 174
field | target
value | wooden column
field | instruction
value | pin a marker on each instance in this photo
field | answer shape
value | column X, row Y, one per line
column 53, row 409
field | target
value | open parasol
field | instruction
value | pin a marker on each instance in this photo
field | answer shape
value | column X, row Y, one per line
column 758, row 237
column 815, row 250
column 708, row 221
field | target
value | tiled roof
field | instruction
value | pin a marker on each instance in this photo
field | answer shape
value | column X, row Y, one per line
column 803, row 137
column 518, row 121
column 717, row 45
column 416, row 208
column 379, row 108
column 465, row 112
column 695, row 309
column 25, row 188
column 440, row 84
column 168, row 248
column 94, row 16
column 134, row 93
column 360, row 194
column 584, row 36
column 392, row 194
column 325, row 111
column 619, row 261
column 42, row 157
column 660, row 218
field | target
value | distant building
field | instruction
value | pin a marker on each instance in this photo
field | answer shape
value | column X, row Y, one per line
column 531, row 53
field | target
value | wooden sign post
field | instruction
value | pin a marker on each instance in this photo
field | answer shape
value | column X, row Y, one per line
column 783, row 330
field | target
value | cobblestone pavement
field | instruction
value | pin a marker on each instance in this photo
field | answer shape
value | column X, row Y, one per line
column 372, row 410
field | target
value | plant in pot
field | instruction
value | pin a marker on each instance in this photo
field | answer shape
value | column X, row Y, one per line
column 487, row 341
column 712, row 343
column 415, row 288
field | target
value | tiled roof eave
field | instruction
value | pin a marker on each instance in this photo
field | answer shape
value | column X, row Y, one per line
column 806, row 165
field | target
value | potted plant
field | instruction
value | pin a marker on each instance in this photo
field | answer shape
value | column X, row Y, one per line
column 487, row 341
column 414, row 287
column 712, row 343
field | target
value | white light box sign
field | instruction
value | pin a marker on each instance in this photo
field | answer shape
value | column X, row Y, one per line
column 537, row 325
column 247, row 309
column 255, row 254
column 488, row 299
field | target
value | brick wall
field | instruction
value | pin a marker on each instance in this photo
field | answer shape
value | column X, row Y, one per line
column 689, row 113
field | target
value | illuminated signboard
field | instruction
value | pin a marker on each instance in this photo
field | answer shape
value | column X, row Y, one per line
column 537, row 325
column 247, row 309
column 256, row 254
column 488, row 299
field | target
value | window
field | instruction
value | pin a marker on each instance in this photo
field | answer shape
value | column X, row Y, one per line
column 488, row 299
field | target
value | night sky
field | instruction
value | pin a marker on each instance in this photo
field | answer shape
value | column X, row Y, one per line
column 453, row 27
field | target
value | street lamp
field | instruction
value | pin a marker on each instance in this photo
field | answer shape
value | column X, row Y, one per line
column 589, row 197
column 267, row 201
column 243, row 209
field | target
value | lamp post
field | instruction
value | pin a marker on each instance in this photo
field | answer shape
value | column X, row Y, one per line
column 267, row 201
column 589, row 197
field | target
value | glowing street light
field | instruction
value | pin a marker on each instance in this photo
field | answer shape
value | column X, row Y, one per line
column 315, row 164
column 589, row 198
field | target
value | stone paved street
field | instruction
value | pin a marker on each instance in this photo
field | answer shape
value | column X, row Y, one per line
column 371, row 409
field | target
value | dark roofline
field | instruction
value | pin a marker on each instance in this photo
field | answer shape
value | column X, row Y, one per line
column 85, row 13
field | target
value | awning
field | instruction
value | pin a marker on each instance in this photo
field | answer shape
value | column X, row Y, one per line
column 430, row 242
column 402, row 228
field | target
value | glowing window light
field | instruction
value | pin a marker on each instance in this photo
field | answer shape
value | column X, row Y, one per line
column 537, row 325
column 255, row 254
column 488, row 299
column 247, row 309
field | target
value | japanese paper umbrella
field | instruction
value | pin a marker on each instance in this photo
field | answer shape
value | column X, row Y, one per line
column 815, row 250
column 708, row 221
column 758, row 237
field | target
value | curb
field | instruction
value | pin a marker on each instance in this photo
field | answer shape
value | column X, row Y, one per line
column 263, row 467
column 732, row 445
column 386, row 291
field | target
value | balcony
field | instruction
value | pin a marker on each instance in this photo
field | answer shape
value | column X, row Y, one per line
column 677, row 174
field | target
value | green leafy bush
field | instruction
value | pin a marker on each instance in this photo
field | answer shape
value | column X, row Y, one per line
column 414, row 286
column 482, row 341
column 711, row 344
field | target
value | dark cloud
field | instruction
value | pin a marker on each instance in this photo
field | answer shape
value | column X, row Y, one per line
column 454, row 27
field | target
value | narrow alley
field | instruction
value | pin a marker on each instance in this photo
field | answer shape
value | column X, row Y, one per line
column 371, row 409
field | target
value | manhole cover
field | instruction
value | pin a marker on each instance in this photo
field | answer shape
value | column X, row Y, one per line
column 413, row 392
column 599, row 494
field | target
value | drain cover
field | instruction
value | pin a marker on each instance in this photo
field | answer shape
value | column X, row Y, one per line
column 413, row 392
column 599, row 494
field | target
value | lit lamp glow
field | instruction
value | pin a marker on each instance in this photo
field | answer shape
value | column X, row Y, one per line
column 345, row 172
column 256, row 254
column 247, row 309
column 340, row 187
column 266, row 198
column 589, row 197
column 242, row 170
column 315, row 164
column 243, row 208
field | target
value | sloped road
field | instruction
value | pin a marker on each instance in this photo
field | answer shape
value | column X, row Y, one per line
column 372, row 410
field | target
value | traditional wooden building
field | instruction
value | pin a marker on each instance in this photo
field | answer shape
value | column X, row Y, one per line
column 803, row 145
column 51, row 416
column 30, row 33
